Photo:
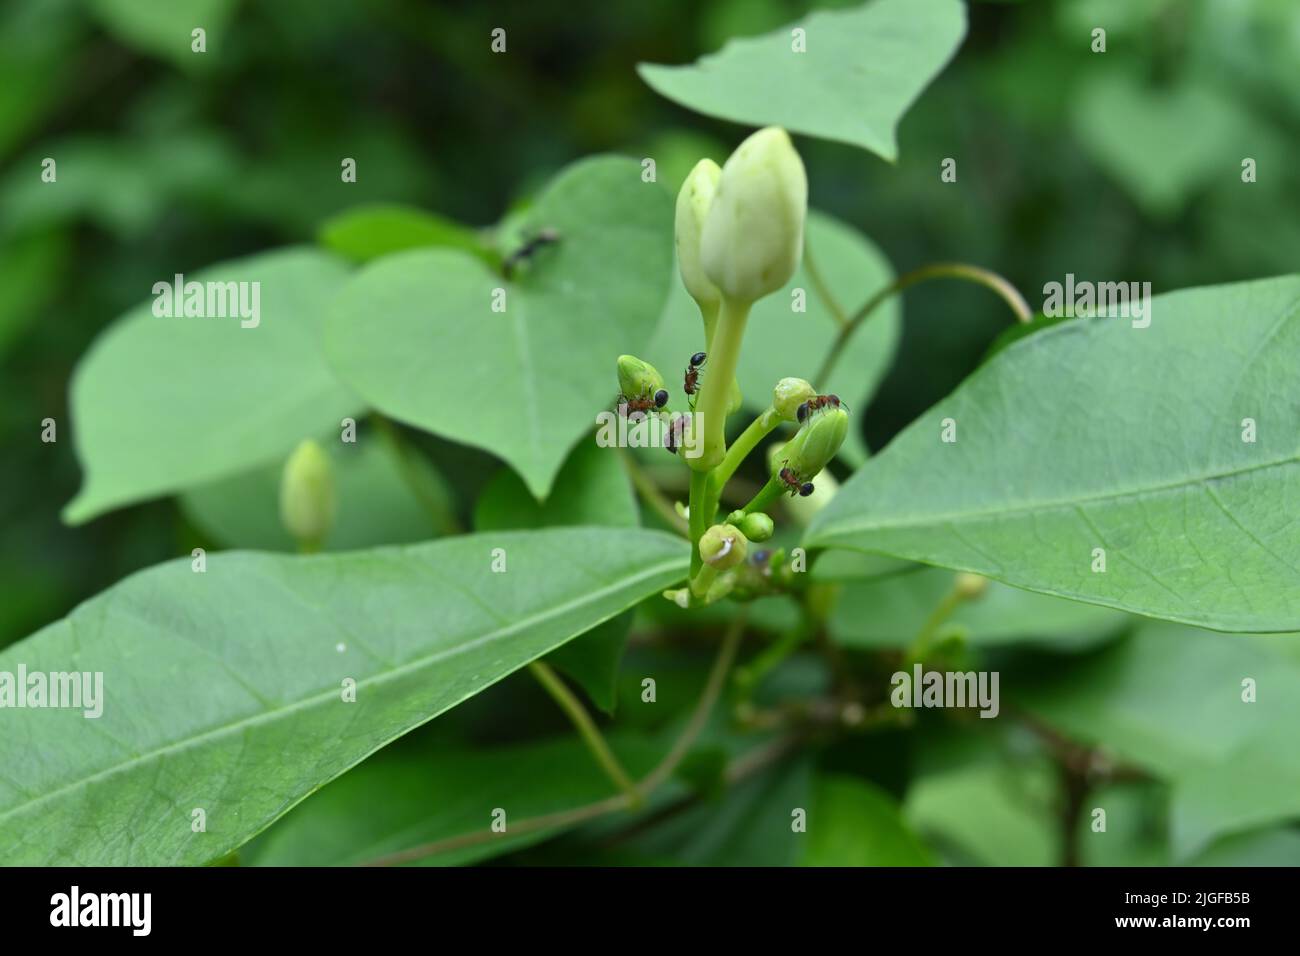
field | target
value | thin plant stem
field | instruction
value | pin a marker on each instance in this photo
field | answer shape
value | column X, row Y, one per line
column 715, row 389
column 651, row 494
column 698, row 516
column 939, row 270
column 586, row 727
column 743, row 766
column 745, row 443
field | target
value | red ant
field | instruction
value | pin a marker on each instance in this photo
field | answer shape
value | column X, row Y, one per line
column 791, row 480
column 642, row 403
column 543, row 238
column 818, row 402
column 691, row 383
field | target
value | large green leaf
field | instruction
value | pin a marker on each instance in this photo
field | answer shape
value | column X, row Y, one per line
column 164, row 404
column 859, row 72
column 1095, row 434
column 416, row 335
column 368, row 232
column 780, row 342
column 223, row 690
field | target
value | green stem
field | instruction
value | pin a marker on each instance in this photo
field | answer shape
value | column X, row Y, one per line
column 586, row 727
column 758, row 429
column 699, row 517
column 942, row 611
column 715, row 389
column 938, row 270
column 766, row 496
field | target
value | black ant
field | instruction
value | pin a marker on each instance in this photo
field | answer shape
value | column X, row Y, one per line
column 642, row 403
column 675, row 433
column 543, row 238
column 817, row 402
column 791, row 480
column 691, row 383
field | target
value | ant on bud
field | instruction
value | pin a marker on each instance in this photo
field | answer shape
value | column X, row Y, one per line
column 792, row 482
column 818, row 402
column 545, row 237
column 691, row 381
column 641, row 403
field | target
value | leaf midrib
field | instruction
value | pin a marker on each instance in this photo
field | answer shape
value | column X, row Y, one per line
column 217, row 733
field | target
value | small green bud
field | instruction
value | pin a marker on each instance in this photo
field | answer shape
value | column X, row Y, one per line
column 814, row 445
column 693, row 204
column 307, row 497
column 753, row 234
column 637, row 379
column 723, row 546
column 970, row 586
column 757, row 526
column 788, row 395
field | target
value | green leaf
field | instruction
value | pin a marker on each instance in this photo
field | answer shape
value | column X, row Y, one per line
column 416, row 335
column 163, row 404
column 890, row 612
column 224, row 690
column 163, row 27
column 1094, row 434
column 592, row 489
column 780, row 342
column 368, row 232
column 855, row 823
column 859, row 73
column 375, row 504
column 439, row 795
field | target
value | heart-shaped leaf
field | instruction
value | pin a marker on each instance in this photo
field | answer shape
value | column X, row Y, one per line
column 416, row 333
column 227, row 692
column 160, row 404
column 843, row 75
column 1112, row 464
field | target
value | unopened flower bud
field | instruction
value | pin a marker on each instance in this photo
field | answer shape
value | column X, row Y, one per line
column 753, row 234
column 809, row 451
column 788, row 395
column 723, row 546
column 638, row 379
column 307, row 496
column 970, row 586
column 757, row 526
column 693, row 204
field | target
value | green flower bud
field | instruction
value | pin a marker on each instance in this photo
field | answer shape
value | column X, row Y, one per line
column 788, row 395
column 693, row 204
column 723, row 546
column 970, row 586
column 307, row 497
column 753, row 234
column 637, row 379
column 803, row 510
column 808, row 452
column 757, row 526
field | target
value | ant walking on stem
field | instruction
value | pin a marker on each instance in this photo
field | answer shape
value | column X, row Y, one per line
column 691, row 381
